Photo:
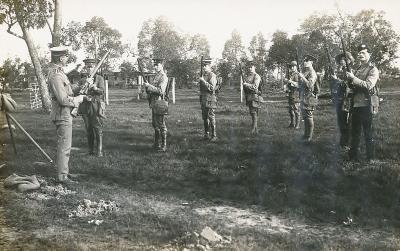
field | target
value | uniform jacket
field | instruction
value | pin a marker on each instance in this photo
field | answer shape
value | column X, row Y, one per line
column 294, row 94
column 253, row 80
column 308, row 85
column 158, row 88
column 365, row 80
column 97, row 97
column 208, row 86
column 61, row 94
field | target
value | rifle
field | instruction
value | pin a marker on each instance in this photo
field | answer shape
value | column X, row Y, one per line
column 346, row 103
column 201, row 66
column 144, row 79
column 285, row 87
column 243, row 79
column 84, row 90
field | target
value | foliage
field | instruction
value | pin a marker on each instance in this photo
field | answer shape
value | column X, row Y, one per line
column 32, row 14
column 258, row 51
column 96, row 37
column 159, row 38
column 232, row 55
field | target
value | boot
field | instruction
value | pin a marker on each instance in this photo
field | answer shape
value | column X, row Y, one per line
column 291, row 125
column 306, row 129
column 254, row 123
column 297, row 119
column 213, row 131
column 99, row 136
column 163, row 147
column 206, row 128
column 310, row 129
column 90, row 139
column 156, row 144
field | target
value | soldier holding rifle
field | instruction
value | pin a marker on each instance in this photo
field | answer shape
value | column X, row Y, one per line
column 365, row 102
column 250, row 86
column 208, row 99
column 308, row 96
column 158, row 99
column 342, row 96
column 293, row 95
column 92, row 108
column 63, row 101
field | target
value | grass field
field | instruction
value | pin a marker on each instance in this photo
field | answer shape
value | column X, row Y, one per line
column 269, row 192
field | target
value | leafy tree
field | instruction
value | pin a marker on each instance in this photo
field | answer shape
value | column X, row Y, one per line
column 14, row 71
column 159, row 38
column 28, row 14
column 371, row 28
column 232, row 55
column 258, row 51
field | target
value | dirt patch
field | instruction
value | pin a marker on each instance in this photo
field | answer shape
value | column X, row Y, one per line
column 233, row 218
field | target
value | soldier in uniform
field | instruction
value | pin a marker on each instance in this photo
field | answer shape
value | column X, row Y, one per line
column 63, row 101
column 308, row 81
column 250, row 86
column 293, row 96
column 159, row 105
column 365, row 103
column 208, row 100
column 93, row 108
column 342, row 94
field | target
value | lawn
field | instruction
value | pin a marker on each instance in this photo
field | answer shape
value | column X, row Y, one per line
column 265, row 192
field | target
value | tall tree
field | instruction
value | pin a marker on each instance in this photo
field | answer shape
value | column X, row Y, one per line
column 97, row 38
column 145, row 48
column 258, row 51
column 232, row 54
column 371, row 28
column 28, row 14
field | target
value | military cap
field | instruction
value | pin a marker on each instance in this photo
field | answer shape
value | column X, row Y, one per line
column 89, row 61
column 293, row 63
column 59, row 51
column 341, row 55
column 362, row 47
column 309, row 57
column 157, row 61
column 207, row 61
column 251, row 63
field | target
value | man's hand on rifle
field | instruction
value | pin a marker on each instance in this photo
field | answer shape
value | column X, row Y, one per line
column 80, row 98
column 201, row 79
column 350, row 75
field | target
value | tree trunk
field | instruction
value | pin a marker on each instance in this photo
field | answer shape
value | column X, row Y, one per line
column 56, row 39
column 38, row 69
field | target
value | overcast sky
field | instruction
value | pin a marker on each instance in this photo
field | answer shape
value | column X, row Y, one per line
column 214, row 18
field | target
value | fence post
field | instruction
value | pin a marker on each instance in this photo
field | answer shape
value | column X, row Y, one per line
column 106, row 83
column 173, row 90
column 241, row 89
column 139, row 88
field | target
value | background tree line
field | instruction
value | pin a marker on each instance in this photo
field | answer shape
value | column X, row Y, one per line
column 160, row 38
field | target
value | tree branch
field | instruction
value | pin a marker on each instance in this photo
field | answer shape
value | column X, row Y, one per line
column 49, row 25
column 13, row 33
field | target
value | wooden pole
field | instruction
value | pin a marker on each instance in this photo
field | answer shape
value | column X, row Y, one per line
column 241, row 89
column 11, row 134
column 29, row 137
column 106, row 83
column 173, row 90
column 139, row 88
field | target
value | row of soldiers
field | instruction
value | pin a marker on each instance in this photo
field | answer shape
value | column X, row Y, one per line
column 354, row 92
column 355, row 95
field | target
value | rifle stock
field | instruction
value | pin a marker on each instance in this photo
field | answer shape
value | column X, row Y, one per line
column 85, row 88
column 144, row 79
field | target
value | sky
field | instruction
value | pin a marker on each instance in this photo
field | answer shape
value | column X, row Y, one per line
column 216, row 19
